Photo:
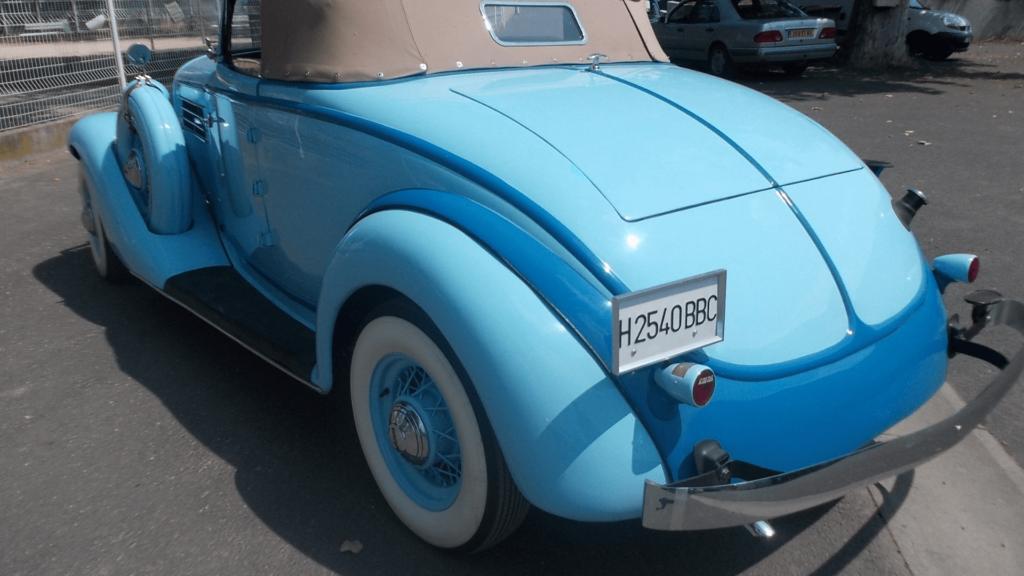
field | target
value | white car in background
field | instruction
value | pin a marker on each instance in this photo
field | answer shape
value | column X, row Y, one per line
column 725, row 34
column 935, row 34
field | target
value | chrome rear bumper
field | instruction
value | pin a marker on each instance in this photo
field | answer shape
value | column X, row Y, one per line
column 683, row 506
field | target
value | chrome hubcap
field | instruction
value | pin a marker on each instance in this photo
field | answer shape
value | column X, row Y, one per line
column 717, row 62
column 133, row 170
column 408, row 434
column 415, row 432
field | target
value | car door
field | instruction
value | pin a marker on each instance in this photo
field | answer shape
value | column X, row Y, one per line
column 245, row 224
column 671, row 31
column 290, row 185
column 691, row 26
column 237, row 196
column 320, row 176
column 701, row 25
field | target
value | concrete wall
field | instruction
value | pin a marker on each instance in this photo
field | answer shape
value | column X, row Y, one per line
column 989, row 18
column 33, row 141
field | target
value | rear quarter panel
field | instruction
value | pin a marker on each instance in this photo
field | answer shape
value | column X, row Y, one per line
column 572, row 442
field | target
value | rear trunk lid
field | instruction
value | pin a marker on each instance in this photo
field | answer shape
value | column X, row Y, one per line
column 653, row 141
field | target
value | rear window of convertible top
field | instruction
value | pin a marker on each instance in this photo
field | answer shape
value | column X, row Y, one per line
column 531, row 23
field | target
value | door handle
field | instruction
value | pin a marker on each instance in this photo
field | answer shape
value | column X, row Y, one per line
column 709, row 29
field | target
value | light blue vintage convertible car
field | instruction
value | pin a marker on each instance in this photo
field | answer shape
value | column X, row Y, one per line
column 447, row 211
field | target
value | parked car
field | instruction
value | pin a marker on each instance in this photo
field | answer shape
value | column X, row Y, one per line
column 934, row 34
column 726, row 33
column 457, row 227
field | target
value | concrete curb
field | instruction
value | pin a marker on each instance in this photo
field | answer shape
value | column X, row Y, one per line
column 990, row 443
column 964, row 511
column 32, row 142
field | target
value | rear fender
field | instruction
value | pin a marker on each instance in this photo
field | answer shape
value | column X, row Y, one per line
column 572, row 443
column 152, row 257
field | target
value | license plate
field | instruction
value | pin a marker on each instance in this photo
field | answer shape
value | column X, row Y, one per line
column 801, row 33
column 656, row 324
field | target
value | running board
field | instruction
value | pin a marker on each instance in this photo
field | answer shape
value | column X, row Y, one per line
column 223, row 298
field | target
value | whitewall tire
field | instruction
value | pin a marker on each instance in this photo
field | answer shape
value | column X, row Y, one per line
column 108, row 265
column 429, row 448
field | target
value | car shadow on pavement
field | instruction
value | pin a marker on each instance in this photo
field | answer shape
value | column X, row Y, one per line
column 891, row 503
column 922, row 77
column 299, row 468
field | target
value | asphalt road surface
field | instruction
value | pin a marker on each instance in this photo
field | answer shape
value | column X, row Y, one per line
column 135, row 439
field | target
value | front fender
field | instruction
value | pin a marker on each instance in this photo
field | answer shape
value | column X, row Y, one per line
column 152, row 257
column 572, row 443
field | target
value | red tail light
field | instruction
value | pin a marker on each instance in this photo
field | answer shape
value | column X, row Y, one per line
column 768, row 36
column 703, row 388
column 972, row 272
column 688, row 383
column 827, row 33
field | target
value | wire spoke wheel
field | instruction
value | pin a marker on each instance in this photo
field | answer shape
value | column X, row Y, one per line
column 411, row 416
column 425, row 436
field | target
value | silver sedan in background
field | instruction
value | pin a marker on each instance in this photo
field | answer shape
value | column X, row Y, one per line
column 727, row 33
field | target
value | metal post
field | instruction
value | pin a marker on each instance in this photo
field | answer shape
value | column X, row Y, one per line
column 3, row 21
column 192, row 20
column 149, row 23
column 117, row 44
column 74, row 8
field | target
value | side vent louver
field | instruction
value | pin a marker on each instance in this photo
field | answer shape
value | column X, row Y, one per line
column 192, row 119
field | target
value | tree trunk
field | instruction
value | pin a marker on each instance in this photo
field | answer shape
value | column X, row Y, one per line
column 877, row 36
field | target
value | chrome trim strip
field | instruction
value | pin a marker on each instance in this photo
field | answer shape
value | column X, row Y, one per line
column 676, row 508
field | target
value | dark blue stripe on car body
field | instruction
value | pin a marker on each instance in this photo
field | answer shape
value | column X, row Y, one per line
column 460, row 166
column 578, row 302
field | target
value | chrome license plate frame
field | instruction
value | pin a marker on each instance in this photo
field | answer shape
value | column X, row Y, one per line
column 655, row 324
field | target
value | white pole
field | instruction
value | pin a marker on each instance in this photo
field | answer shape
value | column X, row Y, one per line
column 117, row 44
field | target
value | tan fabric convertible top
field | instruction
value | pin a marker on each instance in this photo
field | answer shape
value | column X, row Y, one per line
column 360, row 40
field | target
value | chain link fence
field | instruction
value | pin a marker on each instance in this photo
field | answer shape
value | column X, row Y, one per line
column 57, row 57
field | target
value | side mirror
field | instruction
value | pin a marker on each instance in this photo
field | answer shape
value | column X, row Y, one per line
column 212, row 50
column 139, row 55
